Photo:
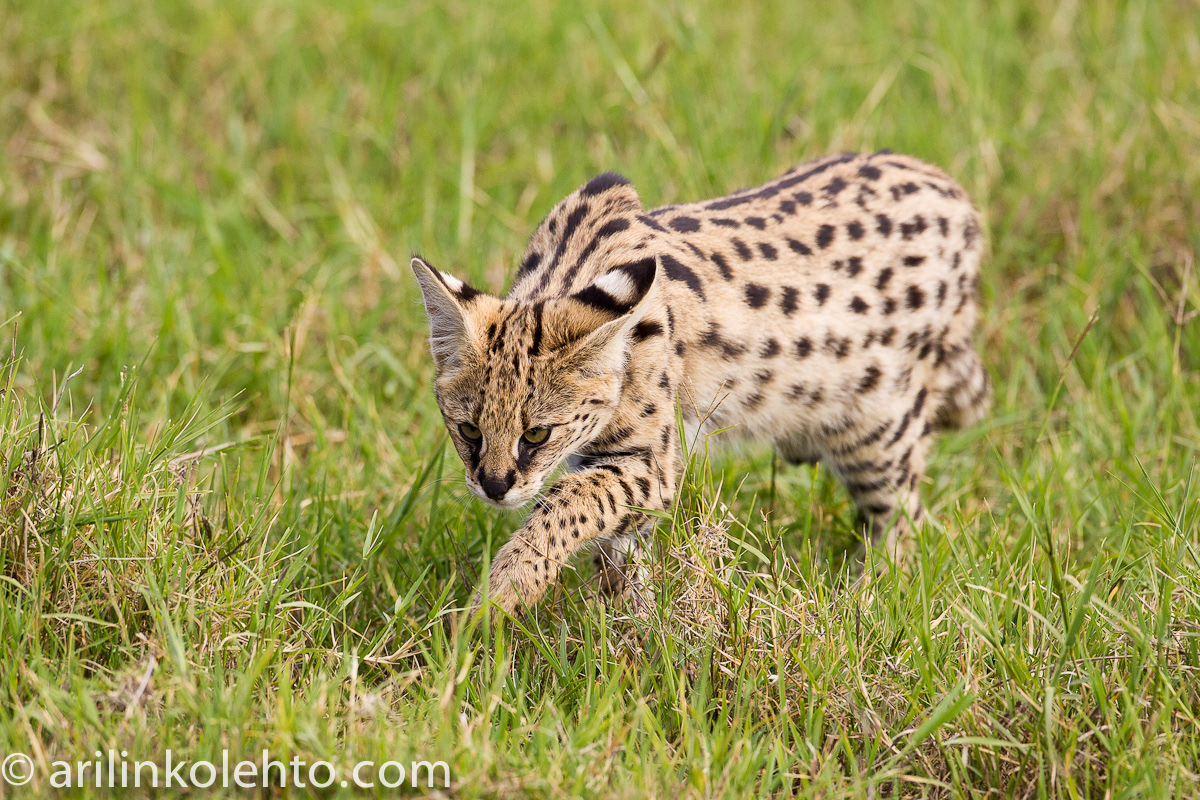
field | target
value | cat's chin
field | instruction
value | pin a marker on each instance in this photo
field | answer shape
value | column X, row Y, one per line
column 506, row 504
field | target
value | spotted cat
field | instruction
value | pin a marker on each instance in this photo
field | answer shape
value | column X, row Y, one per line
column 829, row 312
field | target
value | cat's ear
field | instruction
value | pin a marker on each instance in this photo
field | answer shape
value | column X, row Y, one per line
column 617, row 192
column 447, row 303
column 606, row 312
column 621, row 290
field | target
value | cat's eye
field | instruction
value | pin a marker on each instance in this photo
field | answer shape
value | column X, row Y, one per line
column 469, row 431
column 536, row 435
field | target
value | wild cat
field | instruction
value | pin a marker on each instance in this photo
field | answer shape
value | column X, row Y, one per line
column 829, row 312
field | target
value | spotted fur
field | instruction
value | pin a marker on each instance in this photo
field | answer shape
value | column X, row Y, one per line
column 829, row 312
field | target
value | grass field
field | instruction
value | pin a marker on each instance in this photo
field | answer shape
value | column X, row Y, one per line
column 229, row 516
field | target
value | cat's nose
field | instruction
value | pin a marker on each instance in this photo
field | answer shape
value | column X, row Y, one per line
column 496, row 487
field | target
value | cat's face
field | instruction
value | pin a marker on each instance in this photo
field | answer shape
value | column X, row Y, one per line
column 521, row 386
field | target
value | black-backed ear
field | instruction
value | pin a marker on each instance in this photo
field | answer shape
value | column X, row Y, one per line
column 603, row 314
column 446, row 302
column 615, row 188
column 618, row 291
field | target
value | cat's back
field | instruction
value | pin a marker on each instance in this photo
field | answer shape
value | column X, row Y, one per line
column 822, row 293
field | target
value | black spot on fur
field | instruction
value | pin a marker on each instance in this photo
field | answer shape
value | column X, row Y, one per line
column 685, row 224
column 530, row 263
column 678, row 272
column 768, row 251
column 855, row 230
column 573, row 220
column 869, row 172
column 970, row 231
column 742, row 250
column 858, row 305
column 869, row 380
column 859, row 488
column 915, row 228
column 825, row 236
column 885, row 275
column 536, row 346
column 908, row 417
column 854, row 266
column 756, row 295
column 870, row 439
column 799, row 247
column 713, row 338
column 723, row 266
column 889, row 305
column 803, row 347
column 770, row 348
column 883, row 224
column 645, row 329
column 821, row 293
column 732, row 350
column 787, row 303
column 651, row 222
column 865, row 194
column 837, row 347
column 914, row 298
column 725, row 222
column 756, row 222
column 914, row 261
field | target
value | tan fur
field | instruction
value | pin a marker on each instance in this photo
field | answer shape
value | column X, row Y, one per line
column 829, row 312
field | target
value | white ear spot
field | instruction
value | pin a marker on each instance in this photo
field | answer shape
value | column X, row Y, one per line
column 454, row 283
column 617, row 284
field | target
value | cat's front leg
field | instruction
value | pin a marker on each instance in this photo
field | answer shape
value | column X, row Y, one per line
column 602, row 500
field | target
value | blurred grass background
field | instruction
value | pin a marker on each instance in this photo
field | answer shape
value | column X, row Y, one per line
column 222, row 467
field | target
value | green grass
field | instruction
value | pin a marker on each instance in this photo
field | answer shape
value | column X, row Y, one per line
column 239, row 525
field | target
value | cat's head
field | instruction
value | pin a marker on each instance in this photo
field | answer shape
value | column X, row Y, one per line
column 522, row 385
